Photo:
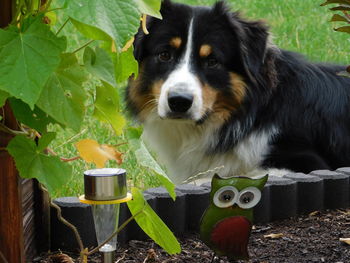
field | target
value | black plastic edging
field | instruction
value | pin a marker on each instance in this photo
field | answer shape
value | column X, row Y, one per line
column 282, row 197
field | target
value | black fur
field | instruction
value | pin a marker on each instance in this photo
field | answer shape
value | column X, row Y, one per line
column 308, row 103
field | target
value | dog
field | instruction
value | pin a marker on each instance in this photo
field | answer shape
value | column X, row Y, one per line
column 213, row 93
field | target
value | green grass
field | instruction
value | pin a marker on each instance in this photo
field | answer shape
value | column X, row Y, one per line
column 296, row 25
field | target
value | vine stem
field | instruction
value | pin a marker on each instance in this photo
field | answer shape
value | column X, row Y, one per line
column 70, row 159
column 63, row 25
column 120, row 144
column 144, row 24
column 65, row 222
column 47, row 5
column 62, row 158
column 83, row 46
column 6, row 129
column 346, row 14
column 116, row 232
column 71, row 138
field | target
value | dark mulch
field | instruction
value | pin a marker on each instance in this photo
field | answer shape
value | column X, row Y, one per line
column 311, row 238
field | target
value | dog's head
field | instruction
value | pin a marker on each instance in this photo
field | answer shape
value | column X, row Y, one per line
column 197, row 63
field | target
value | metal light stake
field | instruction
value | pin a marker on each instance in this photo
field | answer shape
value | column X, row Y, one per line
column 104, row 190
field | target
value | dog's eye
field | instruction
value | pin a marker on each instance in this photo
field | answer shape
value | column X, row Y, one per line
column 164, row 56
column 212, row 62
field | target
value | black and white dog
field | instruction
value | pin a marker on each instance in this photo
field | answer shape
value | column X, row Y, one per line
column 214, row 92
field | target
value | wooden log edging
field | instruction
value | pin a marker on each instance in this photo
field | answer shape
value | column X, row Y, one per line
column 282, row 197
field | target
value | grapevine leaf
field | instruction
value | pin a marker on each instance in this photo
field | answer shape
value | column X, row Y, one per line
column 92, row 152
column 36, row 119
column 125, row 65
column 336, row 2
column 63, row 96
column 28, row 58
column 3, row 96
column 145, row 159
column 149, row 7
column 340, row 18
column 99, row 63
column 33, row 163
column 151, row 224
column 90, row 31
column 345, row 29
column 45, row 140
column 134, row 133
column 107, row 107
column 105, row 19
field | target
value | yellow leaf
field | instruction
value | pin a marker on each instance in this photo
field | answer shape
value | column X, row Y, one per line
column 273, row 236
column 345, row 240
column 92, row 152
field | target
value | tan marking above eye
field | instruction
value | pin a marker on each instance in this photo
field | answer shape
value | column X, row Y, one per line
column 205, row 50
column 175, row 42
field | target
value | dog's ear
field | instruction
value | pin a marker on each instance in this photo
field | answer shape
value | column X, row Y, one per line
column 220, row 8
column 166, row 7
column 252, row 37
column 253, row 47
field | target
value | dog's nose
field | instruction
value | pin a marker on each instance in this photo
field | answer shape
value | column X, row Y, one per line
column 180, row 102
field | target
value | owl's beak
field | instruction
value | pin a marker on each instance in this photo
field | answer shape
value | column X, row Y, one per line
column 234, row 207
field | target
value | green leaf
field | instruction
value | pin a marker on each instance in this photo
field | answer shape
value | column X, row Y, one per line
column 145, row 159
column 103, row 19
column 151, row 224
column 336, row 2
column 32, row 163
column 28, row 58
column 63, row 97
column 149, row 7
column 90, row 31
column 345, row 29
column 3, row 96
column 99, row 63
column 45, row 140
column 125, row 65
column 36, row 119
column 134, row 133
column 107, row 107
column 340, row 18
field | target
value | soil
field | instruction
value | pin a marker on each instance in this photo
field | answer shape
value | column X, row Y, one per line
column 310, row 238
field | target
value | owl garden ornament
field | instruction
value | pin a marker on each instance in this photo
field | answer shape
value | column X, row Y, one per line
column 226, row 224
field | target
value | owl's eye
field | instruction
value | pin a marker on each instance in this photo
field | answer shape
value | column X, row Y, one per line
column 226, row 196
column 249, row 197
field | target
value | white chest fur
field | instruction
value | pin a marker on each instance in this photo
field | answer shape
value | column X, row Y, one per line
column 182, row 147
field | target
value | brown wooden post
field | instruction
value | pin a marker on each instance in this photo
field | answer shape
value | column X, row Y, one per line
column 11, row 220
column 24, row 208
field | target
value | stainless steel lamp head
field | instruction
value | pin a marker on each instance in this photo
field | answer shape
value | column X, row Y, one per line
column 105, row 184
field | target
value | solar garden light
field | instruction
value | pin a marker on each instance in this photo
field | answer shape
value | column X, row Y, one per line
column 105, row 190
